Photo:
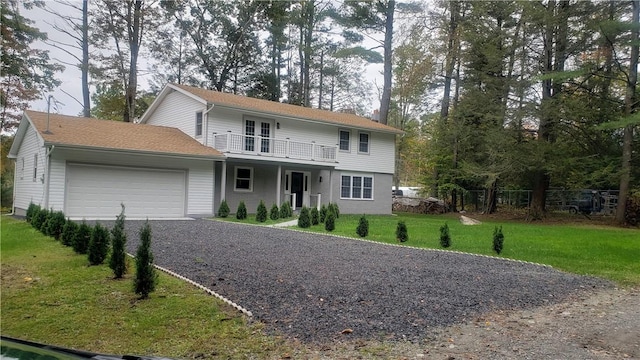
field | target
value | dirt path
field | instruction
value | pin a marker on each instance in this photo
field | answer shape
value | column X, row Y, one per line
column 602, row 326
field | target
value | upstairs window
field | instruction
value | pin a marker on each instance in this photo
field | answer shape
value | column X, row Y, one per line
column 344, row 140
column 199, row 123
column 363, row 144
column 243, row 179
column 35, row 167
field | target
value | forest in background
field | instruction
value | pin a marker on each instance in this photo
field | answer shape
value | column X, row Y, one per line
column 490, row 94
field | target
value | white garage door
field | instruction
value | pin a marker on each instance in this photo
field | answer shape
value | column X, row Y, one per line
column 94, row 191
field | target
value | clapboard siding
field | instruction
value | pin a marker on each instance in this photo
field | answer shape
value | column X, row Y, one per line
column 26, row 189
column 57, row 182
column 178, row 111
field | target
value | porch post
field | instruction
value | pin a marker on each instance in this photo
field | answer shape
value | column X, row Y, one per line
column 278, row 185
column 223, row 181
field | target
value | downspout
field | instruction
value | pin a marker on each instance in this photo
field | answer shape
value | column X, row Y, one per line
column 46, row 180
column 205, row 118
column 15, row 182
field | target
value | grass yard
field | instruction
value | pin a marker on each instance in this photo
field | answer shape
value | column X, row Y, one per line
column 602, row 251
column 49, row 294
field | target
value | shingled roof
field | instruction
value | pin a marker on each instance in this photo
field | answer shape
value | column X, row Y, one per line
column 115, row 135
column 281, row 109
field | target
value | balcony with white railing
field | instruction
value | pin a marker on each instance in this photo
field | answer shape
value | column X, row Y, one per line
column 278, row 148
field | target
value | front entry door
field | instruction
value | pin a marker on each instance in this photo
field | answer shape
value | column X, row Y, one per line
column 297, row 182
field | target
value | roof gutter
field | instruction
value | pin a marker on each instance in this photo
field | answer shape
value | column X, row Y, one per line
column 139, row 152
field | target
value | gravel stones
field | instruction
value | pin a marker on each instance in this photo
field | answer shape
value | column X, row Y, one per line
column 323, row 288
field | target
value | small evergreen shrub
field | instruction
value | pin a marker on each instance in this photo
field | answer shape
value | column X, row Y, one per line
column 304, row 221
column 285, row 210
column 323, row 213
column 98, row 245
column 315, row 216
column 43, row 221
column 445, row 238
column 274, row 213
column 146, row 278
column 330, row 221
column 31, row 211
column 498, row 240
column 632, row 210
column 241, row 213
column 81, row 238
column 261, row 212
column 402, row 234
column 55, row 224
column 118, row 259
column 39, row 217
column 223, row 210
column 68, row 232
column 335, row 209
column 363, row 227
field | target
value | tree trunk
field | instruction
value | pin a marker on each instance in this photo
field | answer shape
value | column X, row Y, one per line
column 491, row 200
column 134, row 29
column 630, row 103
column 86, row 100
column 388, row 57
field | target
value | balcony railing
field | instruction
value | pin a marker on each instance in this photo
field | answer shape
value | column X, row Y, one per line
column 258, row 145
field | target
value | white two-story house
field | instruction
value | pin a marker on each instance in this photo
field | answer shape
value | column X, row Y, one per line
column 194, row 148
column 278, row 152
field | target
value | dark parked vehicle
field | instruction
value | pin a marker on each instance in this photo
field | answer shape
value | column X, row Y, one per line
column 593, row 202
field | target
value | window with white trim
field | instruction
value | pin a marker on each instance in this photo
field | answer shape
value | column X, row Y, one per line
column 243, row 179
column 344, row 140
column 35, row 167
column 199, row 123
column 356, row 187
column 363, row 143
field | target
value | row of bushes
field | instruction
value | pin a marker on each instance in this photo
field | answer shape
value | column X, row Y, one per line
column 327, row 215
column 283, row 212
column 98, row 243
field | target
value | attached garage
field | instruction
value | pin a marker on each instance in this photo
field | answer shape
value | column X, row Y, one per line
column 95, row 191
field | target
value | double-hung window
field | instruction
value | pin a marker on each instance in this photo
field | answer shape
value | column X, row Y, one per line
column 199, row 123
column 356, row 187
column 243, row 179
column 363, row 143
column 345, row 137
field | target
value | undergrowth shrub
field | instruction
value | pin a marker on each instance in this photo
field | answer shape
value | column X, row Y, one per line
column 304, row 221
column 498, row 240
column 223, row 210
column 98, row 245
column 333, row 207
column 285, row 210
column 68, row 232
column 274, row 213
column 146, row 278
column 330, row 221
column 55, row 224
column 363, row 227
column 241, row 212
column 402, row 234
column 81, row 238
column 315, row 216
column 632, row 210
column 261, row 212
column 445, row 238
column 118, row 259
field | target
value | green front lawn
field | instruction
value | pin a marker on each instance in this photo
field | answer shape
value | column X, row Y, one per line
column 601, row 251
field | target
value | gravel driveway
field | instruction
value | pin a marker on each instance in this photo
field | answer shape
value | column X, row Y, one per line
column 314, row 287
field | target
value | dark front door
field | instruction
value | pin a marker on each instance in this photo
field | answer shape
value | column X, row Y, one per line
column 297, row 187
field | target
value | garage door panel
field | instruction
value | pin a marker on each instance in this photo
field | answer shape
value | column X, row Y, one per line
column 98, row 191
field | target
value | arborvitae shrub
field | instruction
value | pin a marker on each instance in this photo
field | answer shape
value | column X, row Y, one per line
column 146, row 278
column 323, row 213
column 304, row 221
column 31, row 211
column 333, row 207
column 315, row 216
column 223, row 210
column 402, row 234
column 261, row 212
column 445, row 238
column 55, row 224
column 274, row 213
column 498, row 240
column 43, row 223
column 285, row 210
column 118, row 259
column 98, row 245
column 39, row 218
column 363, row 227
column 241, row 213
column 81, row 238
column 68, row 232
column 330, row 221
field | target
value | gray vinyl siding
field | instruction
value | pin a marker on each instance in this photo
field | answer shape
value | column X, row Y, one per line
column 382, row 200
column 25, row 189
